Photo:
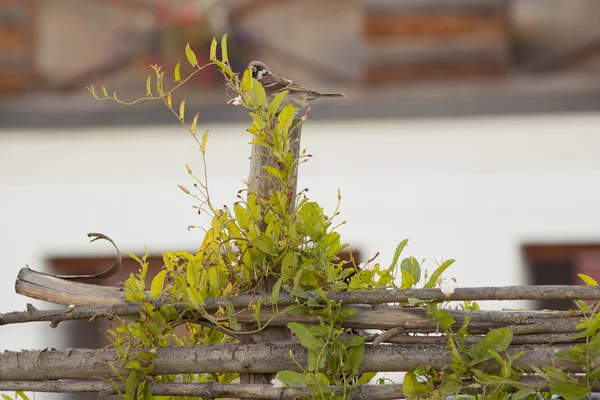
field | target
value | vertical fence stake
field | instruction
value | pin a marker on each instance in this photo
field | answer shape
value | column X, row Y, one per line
column 260, row 183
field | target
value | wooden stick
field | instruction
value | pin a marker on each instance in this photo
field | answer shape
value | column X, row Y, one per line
column 411, row 319
column 262, row 184
column 547, row 338
column 214, row 389
column 45, row 287
column 256, row 358
column 208, row 390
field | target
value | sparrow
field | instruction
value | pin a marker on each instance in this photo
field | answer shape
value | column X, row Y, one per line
column 298, row 95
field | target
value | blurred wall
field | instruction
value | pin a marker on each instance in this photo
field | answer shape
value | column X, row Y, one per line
column 74, row 36
column 557, row 25
column 325, row 33
column 469, row 189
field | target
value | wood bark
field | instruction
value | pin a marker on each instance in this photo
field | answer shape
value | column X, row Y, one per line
column 261, row 183
column 214, row 389
column 37, row 285
column 259, row 358
column 208, row 390
column 410, row 319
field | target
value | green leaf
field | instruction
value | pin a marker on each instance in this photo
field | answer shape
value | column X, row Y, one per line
column 256, row 315
column 131, row 383
column 182, row 110
column 408, row 280
column 233, row 324
column 443, row 318
column 275, row 291
column 177, row 72
column 497, row 357
column 169, row 312
column 242, row 216
column 193, row 126
column 413, row 389
column 436, row 274
column 191, row 273
column 266, row 245
column 158, row 282
column 204, row 138
column 314, row 359
column 104, row 92
column 411, row 266
column 191, row 56
column 366, row 377
column 569, row 390
column 258, row 93
column 253, row 207
column 355, row 357
column 497, row 340
column 144, row 392
column 167, row 259
column 195, row 297
column 213, row 49
column 224, row 67
column 5, row 397
column 588, row 280
column 296, row 309
column 397, row 253
column 307, row 339
column 149, row 86
column 292, row 378
column 521, row 394
column 286, row 117
column 224, row 56
column 571, row 356
column 274, row 106
column 322, row 383
column 593, row 375
column 582, row 305
column 274, row 171
column 247, row 80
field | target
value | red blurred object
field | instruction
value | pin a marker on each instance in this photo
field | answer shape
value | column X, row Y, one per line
column 188, row 16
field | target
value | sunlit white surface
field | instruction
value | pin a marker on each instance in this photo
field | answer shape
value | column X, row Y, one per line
column 469, row 189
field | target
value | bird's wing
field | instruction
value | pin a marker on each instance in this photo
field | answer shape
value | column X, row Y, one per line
column 275, row 84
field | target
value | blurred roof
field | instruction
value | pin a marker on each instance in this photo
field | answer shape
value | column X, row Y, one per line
column 515, row 95
column 392, row 58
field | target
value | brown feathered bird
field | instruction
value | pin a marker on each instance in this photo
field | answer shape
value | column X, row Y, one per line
column 298, row 95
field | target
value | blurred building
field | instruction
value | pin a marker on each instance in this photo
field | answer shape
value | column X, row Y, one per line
column 469, row 127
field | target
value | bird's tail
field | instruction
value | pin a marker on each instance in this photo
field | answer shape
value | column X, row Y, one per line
column 332, row 95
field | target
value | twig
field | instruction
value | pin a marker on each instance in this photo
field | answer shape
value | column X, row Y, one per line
column 240, row 338
column 262, row 358
column 101, row 275
column 442, row 339
column 546, row 292
column 387, row 335
column 412, row 319
column 214, row 389
column 208, row 390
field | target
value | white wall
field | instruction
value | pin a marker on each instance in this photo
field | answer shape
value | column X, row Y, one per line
column 469, row 189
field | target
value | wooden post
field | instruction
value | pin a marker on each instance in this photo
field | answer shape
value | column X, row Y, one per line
column 260, row 183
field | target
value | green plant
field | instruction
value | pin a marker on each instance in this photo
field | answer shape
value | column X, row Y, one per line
column 290, row 239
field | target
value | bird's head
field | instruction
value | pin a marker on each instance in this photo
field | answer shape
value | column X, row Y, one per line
column 259, row 70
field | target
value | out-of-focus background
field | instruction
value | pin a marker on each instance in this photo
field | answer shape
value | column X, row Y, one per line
column 471, row 127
